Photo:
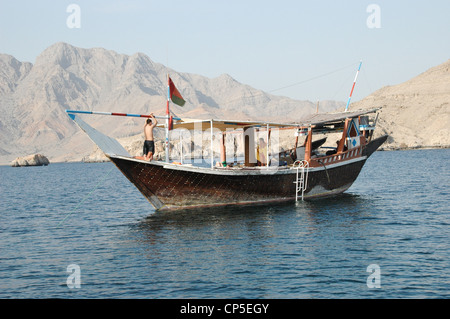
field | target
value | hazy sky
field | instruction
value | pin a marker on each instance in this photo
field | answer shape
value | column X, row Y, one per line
column 301, row 49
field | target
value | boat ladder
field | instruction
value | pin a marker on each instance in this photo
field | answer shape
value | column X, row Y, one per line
column 301, row 180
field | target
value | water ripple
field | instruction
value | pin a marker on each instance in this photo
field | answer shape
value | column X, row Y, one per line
column 393, row 216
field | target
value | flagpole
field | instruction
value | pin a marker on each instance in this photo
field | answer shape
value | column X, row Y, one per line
column 167, row 119
column 353, row 87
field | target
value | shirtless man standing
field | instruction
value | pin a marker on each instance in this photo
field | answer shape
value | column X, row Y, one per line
column 149, row 144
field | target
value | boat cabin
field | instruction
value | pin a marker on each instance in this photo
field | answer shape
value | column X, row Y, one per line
column 319, row 139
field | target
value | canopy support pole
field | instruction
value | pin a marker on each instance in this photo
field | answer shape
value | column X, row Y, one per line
column 212, row 154
column 267, row 147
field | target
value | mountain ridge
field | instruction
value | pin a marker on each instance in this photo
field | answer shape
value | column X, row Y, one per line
column 33, row 98
column 415, row 113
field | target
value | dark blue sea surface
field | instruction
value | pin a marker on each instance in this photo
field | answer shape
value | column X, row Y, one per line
column 395, row 216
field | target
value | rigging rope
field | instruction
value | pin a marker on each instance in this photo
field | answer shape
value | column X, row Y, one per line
column 294, row 84
column 314, row 78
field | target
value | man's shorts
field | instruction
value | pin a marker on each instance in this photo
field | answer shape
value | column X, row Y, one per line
column 149, row 146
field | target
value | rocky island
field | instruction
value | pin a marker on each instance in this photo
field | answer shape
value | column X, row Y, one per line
column 30, row 160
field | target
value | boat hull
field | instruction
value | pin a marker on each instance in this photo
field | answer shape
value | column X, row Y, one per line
column 171, row 186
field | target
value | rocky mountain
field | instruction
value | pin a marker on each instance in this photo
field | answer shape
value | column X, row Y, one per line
column 415, row 113
column 33, row 98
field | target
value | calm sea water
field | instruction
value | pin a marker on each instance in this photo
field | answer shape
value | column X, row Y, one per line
column 395, row 216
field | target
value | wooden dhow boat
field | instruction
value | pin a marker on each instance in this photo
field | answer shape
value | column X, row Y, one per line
column 306, row 170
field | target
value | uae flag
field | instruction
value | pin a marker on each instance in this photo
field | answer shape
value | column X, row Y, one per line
column 175, row 96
